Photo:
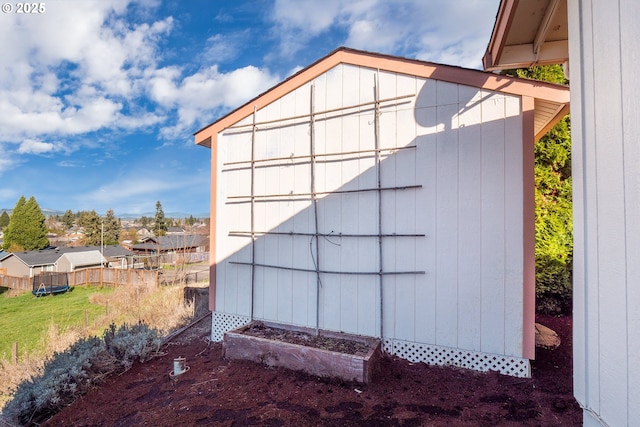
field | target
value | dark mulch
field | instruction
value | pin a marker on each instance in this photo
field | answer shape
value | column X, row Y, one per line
column 215, row 391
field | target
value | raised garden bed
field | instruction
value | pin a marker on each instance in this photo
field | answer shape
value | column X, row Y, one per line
column 327, row 354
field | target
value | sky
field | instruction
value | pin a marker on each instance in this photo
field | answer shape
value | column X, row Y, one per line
column 99, row 100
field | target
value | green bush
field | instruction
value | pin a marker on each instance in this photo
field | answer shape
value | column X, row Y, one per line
column 554, row 221
column 553, row 285
column 554, row 228
column 71, row 373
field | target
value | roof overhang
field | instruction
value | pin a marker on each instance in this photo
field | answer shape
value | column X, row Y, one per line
column 528, row 33
column 551, row 100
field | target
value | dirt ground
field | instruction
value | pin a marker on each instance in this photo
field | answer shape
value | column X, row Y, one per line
column 216, row 392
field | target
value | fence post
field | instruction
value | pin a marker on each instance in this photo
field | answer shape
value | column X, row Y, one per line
column 14, row 353
column 86, row 318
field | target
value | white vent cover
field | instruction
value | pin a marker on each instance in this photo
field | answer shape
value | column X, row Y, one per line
column 224, row 322
column 442, row 356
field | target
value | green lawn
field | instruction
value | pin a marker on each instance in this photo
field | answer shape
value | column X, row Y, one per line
column 25, row 319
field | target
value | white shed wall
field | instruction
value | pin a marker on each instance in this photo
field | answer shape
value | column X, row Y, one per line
column 468, row 163
column 606, row 153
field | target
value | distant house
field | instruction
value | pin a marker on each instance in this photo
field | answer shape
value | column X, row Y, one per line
column 175, row 230
column 64, row 259
column 143, row 232
column 118, row 256
column 31, row 263
column 3, row 255
column 171, row 244
column 75, row 234
column 72, row 261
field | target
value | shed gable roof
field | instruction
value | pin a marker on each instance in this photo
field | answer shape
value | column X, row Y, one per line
column 551, row 100
column 171, row 242
column 85, row 258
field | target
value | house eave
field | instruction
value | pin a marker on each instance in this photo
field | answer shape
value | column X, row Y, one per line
column 526, row 34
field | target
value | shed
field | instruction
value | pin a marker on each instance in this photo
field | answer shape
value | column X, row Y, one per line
column 385, row 197
column 71, row 261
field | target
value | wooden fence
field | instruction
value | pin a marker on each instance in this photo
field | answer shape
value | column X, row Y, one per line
column 91, row 276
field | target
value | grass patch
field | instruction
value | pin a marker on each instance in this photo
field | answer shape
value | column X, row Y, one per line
column 52, row 324
column 25, row 319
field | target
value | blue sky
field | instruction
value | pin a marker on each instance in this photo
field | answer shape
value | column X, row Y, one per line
column 99, row 100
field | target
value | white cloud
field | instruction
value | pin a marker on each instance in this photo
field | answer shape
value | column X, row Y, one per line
column 75, row 69
column 134, row 193
column 7, row 161
column 7, row 193
column 30, row 146
column 70, row 164
column 435, row 30
column 221, row 48
column 197, row 96
column 307, row 14
column 210, row 89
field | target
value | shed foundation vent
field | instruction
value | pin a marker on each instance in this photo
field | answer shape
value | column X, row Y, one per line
column 224, row 322
column 448, row 356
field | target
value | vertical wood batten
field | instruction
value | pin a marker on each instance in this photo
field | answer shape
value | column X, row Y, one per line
column 376, row 88
column 492, row 214
column 611, row 235
column 470, row 227
column 578, row 155
column 314, row 201
column 446, row 269
column 427, row 157
column 629, row 11
column 253, row 217
column 519, row 272
column 213, row 227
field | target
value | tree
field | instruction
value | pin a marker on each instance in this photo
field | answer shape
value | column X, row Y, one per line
column 52, row 223
column 92, row 225
column 130, row 235
column 27, row 230
column 4, row 220
column 68, row 219
column 145, row 220
column 112, row 228
column 160, row 225
column 554, row 220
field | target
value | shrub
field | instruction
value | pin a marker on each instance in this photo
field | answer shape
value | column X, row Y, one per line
column 130, row 343
column 63, row 377
column 71, row 373
column 553, row 285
